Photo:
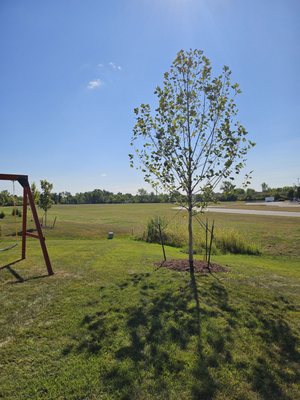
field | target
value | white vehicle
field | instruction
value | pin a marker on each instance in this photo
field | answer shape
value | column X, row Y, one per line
column 269, row 199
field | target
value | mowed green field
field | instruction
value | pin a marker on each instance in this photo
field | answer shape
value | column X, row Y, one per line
column 111, row 325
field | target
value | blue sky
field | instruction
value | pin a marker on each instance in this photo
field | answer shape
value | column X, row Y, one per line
column 72, row 71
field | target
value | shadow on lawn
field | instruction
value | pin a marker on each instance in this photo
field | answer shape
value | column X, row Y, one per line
column 282, row 360
column 147, row 342
column 15, row 274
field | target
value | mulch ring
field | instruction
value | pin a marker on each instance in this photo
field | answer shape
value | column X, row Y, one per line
column 199, row 266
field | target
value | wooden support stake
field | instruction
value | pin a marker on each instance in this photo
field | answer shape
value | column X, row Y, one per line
column 210, row 244
column 206, row 238
column 162, row 242
column 54, row 222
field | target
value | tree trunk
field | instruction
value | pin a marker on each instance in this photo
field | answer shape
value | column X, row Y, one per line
column 190, row 228
column 190, row 180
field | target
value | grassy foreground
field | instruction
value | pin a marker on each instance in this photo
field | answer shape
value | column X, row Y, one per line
column 110, row 325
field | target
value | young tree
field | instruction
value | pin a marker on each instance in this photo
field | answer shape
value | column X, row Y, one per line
column 45, row 201
column 35, row 193
column 192, row 140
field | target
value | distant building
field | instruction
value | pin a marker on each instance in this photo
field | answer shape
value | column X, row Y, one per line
column 269, row 199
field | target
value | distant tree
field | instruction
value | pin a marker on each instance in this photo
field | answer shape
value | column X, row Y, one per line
column 128, row 198
column 227, row 187
column 228, row 191
column 118, row 198
column 264, row 187
column 250, row 194
column 35, row 193
column 291, row 194
column 6, row 198
column 142, row 195
column 240, row 193
column 65, row 197
column 192, row 141
column 45, row 201
column 55, row 198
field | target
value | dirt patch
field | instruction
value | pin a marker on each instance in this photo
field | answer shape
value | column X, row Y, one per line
column 200, row 266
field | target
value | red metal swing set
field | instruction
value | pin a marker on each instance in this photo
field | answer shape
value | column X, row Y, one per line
column 28, row 199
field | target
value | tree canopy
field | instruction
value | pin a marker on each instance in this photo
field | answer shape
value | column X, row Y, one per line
column 192, row 140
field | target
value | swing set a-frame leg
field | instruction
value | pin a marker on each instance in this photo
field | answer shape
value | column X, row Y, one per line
column 28, row 197
column 39, row 231
column 24, row 223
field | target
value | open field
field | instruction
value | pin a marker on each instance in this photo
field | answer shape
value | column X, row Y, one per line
column 274, row 235
column 109, row 325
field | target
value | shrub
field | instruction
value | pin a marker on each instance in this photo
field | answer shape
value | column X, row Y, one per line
column 16, row 212
column 231, row 241
column 2, row 215
column 152, row 234
column 175, row 235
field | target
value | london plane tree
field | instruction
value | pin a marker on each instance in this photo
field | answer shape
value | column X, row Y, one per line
column 193, row 140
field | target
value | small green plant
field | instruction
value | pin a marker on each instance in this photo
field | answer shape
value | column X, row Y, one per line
column 16, row 212
column 152, row 234
column 231, row 241
column 2, row 215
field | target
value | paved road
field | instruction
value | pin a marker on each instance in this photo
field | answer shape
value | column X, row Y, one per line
column 254, row 212
column 274, row 204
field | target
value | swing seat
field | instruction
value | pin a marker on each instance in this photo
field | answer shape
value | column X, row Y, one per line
column 9, row 247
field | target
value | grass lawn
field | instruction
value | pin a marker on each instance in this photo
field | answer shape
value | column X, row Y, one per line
column 110, row 325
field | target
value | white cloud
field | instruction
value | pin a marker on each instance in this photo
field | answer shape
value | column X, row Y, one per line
column 100, row 65
column 115, row 67
column 94, row 84
column 104, row 174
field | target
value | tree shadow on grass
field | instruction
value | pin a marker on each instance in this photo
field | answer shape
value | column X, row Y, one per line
column 176, row 338
column 148, row 339
column 281, row 362
column 213, row 346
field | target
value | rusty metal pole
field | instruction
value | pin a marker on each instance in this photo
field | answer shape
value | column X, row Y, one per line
column 39, row 230
column 24, row 227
